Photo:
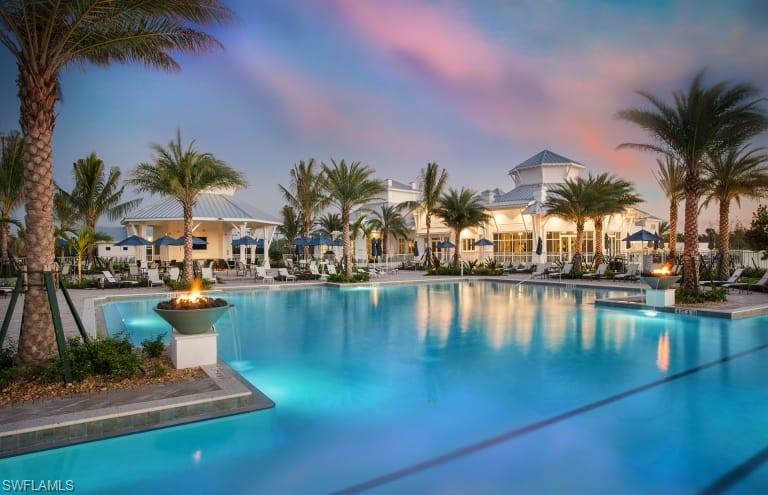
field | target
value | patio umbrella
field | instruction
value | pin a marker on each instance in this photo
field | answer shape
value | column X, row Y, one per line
column 539, row 247
column 196, row 241
column 302, row 241
column 642, row 235
column 245, row 241
column 656, row 242
column 711, row 240
column 446, row 245
column 607, row 242
column 320, row 241
column 133, row 240
column 415, row 249
column 338, row 242
column 483, row 242
column 167, row 240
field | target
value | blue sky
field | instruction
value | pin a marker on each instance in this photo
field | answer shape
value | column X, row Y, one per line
column 476, row 86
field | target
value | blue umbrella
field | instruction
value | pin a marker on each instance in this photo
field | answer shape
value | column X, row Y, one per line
column 446, row 245
column 245, row 241
column 483, row 242
column 642, row 235
column 338, row 242
column 415, row 249
column 196, row 241
column 320, row 241
column 133, row 240
column 167, row 240
column 539, row 247
column 302, row 241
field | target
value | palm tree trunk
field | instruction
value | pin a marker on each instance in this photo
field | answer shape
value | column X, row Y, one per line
column 725, row 241
column 427, row 250
column 38, row 94
column 346, row 251
column 672, row 230
column 690, row 251
column 598, row 241
column 577, row 249
column 79, row 268
column 3, row 241
column 458, row 245
column 188, row 272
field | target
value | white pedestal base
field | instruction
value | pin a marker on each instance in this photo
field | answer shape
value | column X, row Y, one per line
column 191, row 351
column 660, row 298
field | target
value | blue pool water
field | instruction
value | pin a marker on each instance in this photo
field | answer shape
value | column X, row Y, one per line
column 429, row 388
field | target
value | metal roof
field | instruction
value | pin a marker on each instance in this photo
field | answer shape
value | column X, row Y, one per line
column 117, row 233
column 401, row 185
column 544, row 158
column 209, row 206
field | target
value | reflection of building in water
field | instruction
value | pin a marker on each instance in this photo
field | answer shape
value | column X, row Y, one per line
column 662, row 352
column 434, row 312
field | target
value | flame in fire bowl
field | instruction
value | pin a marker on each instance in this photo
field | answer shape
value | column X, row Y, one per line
column 192, row 313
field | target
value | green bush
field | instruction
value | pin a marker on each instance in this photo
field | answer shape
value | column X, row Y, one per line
column 357, row 277
column 86, row 283
column 153, row 348
column 181, row 285
column 8, row 355
column 8, row 376
column 159, row 369
column 113, row 357
column 752, row 272
column 716, row 294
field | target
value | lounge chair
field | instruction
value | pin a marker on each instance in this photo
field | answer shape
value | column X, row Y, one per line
column 283, row 273
column 540, row 270
column 599, row 273
column 241, row 269
column 315, row 273
column 173, row 273
column 734, row 278
column 133, row 272
column 564, row 271
column 761, row 284
column 261, row 274
column 111, row 280
column 153, row 277
column 525, row 269
column 632, row 273
column 331, row 268
column 207, row 274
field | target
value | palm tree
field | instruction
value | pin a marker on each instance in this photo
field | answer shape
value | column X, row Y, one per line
column 349, row 187
column 459, row 210
column 329, row 223
column 291, row 224
column 389, row 221
column 573, row 201
column 431, row 184
column 44, row 36
column 702, row 121
column 671, row 178
column 97, row 193
column 83, row 242
column 305, row 194
column 729, row 176
column 361, row 227
column 612, row 196
column 183, row 173
column 11, row 187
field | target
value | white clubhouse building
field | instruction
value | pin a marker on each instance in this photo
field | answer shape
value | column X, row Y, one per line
column 519, row 218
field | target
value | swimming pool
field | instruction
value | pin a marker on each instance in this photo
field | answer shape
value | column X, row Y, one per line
column 474, row 387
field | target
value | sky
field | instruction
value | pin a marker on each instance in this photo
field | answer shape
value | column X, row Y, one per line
column 476, row 86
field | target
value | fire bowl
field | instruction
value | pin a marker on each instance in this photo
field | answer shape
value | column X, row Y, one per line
column 192, row 321
column 661, row 283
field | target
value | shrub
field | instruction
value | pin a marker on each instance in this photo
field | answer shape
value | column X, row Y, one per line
column 86, row 283
column 341, row 278
column 752, row 272
column 8, row 376
column 159, row 369
column 7, row 355
column 113, row 357
column 181, row 285
column 716, row 294
column 153, row 348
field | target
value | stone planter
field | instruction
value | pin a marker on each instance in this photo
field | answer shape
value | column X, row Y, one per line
column 661, row 283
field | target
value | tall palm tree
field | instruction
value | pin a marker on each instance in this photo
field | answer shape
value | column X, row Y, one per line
column 730, row 176
column 389, row 221
column 305, row 194
column 83, row 242
column 11, row 187
column 573, row 201
column 459, row 210
column 291, row 224
column 183, row 173
column 432, row 181
column 329, row 223
column 670, row 176
column 44, row 36
column 97, row 193
column 612, row 196
column 349, row 187
column 699, row 122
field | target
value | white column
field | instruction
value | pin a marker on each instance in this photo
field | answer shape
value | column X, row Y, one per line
column 268, row 233
column 242, row 248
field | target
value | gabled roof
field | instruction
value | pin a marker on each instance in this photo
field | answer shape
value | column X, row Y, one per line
column 209, row 206
column 544, row 158
column 401, row 185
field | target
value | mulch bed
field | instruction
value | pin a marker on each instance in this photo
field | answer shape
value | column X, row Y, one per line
column 26, row 389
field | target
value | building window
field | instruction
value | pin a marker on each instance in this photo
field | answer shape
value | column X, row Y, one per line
column 468, row 244
column 513, row 242
column 200, row 247
column 107, row 248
